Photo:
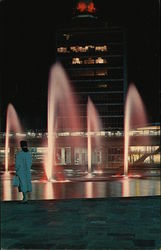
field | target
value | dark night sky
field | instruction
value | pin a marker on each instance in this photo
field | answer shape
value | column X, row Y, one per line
column 28, row 51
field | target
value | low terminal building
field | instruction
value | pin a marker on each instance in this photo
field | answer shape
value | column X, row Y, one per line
column 71, row 148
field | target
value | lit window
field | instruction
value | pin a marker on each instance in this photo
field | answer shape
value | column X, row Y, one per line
column 73, row 48
column 81, row 49
column 90, row 47
column 85, row 73
column 102, row 85
column 63, row 134
column 76, row 60
column 101, row 48
column 89, row 61
column 21, row 135
column 41, row 150
column 62, row 50
column 78, row 49
column 102, row 72
column 101, row 60
column 67, row 36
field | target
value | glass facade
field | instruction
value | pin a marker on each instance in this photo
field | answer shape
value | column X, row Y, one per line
column 109, row 155
column 94, row 57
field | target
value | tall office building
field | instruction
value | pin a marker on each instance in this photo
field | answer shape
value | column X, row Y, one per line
column 94, row 56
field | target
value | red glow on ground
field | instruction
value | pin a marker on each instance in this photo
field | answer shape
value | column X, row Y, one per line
column 59, row 175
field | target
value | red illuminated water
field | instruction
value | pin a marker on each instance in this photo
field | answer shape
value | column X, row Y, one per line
column 12, row 125
column 135, row 116
column 93, row 125
column 121, row 187
column 62, row 114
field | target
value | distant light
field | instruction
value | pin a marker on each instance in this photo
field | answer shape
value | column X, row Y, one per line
column 81, row 7
column 91, row 7
column 20, row 135
column 86, row 7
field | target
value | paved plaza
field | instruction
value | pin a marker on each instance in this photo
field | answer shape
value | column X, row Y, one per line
column 96, row 223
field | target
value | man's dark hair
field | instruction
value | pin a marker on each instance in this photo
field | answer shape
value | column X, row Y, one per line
column 24, row 146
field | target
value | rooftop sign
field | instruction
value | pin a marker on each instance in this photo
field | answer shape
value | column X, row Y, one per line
column 86, row 7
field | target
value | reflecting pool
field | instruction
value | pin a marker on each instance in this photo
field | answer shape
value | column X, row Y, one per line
column 110, row 187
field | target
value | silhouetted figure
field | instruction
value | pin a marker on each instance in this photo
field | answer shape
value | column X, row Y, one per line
column 23, row 169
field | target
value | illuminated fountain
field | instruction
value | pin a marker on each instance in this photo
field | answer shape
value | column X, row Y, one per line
column 62, row 114
column 12, row 124
column 93, row 125
column 135, row 116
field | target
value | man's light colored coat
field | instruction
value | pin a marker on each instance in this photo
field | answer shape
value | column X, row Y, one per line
column 23, row 170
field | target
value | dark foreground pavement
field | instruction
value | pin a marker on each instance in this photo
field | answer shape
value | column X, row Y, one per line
column 103, row 223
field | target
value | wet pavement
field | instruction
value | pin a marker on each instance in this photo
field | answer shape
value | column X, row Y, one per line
column 99, row 213
column 99, row 223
